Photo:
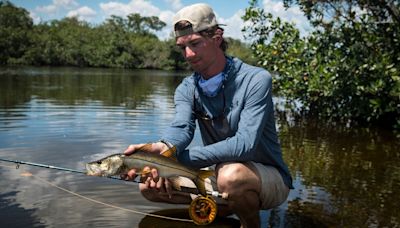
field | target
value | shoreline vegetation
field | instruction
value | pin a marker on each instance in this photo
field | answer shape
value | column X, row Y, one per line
column 346, row 70
column 118, row 42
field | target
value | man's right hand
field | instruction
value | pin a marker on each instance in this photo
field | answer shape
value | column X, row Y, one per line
column 152, row 183
column 157, row 147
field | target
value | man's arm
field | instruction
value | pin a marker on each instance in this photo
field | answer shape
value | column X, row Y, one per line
column 181, row 131
column 257, row 108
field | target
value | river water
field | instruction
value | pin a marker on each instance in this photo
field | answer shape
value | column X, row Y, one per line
column 343, row 177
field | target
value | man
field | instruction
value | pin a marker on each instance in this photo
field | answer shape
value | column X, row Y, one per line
column 232, row 103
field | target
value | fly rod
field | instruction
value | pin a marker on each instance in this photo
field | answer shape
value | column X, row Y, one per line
column 19, row 162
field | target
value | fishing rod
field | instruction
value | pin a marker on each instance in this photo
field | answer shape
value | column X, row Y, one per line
column 19, row 162
column 202, row 209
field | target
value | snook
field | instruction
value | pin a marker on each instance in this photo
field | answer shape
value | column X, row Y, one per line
column 118, row 164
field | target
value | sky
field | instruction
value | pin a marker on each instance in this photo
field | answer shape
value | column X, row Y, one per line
column 228, row 12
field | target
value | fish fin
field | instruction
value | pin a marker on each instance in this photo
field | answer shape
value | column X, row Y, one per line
column 144, row 175
column 145, row 172
column 170, row 153
column 175, row 182
column 199, row 180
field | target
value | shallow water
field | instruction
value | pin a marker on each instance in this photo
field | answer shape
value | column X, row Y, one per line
column 344, row 177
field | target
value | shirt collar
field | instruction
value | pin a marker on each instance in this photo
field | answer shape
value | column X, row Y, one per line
column 228, row 70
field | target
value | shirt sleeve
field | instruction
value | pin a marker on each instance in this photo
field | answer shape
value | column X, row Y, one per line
column 256, row 111
column 181, row 131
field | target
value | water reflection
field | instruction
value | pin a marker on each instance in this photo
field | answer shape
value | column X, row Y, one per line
column 349, row 177
column 69, row 116
column 150, row 221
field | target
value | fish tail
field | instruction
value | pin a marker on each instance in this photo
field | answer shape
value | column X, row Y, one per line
column 199, row 181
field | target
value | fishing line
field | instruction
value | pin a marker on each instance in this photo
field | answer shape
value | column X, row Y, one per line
column 28, row 174
column 18, row 162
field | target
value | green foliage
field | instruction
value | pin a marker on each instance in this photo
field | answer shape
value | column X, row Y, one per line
column 15, row 25
column 142, row 25
column 118, row 42
column 242, row 51
column 345, row 70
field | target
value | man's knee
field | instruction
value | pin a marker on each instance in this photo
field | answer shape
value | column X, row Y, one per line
column 235, row 176
column 227, row 174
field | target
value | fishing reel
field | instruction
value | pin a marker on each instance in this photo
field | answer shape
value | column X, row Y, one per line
column 203, row 210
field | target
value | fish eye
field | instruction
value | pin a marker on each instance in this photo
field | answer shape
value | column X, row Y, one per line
column 99, row 162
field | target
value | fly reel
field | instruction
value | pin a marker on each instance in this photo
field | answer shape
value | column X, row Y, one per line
column 203, row 210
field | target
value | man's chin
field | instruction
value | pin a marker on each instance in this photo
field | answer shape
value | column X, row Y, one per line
column 196, row 68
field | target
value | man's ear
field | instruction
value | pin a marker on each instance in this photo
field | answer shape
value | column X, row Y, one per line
column 218, row 35
column 218, row 39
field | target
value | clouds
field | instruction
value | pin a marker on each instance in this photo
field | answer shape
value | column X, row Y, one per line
column 83, row 13
column 292, row 14
column 96, row 11
column 63, row 8
column 233, row 24
column 145, row 8
column 56, row 6
column 175, row 4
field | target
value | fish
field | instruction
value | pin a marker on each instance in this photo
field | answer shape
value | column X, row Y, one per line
column 117, row 164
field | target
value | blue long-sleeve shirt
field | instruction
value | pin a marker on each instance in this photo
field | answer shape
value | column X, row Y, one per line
column 247, row 99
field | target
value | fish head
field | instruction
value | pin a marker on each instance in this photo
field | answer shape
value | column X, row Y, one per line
column 108, row 166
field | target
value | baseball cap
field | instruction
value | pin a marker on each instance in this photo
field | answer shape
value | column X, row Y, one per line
column 200, row 15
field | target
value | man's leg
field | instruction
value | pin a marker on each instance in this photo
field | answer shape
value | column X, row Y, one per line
column 243, row 184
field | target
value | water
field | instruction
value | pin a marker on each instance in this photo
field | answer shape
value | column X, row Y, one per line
column 68, row 116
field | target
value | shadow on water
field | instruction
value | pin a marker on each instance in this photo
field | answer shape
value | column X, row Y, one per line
column 149, row 221
column 343, row 177
column 292, row 218
column 14, row 215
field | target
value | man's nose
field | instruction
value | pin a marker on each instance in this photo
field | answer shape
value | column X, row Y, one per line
column 189, row 52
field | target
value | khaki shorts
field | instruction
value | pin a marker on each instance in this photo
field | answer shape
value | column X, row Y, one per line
column 273, row 190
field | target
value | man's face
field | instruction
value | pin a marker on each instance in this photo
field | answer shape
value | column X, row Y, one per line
column 199, row 51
